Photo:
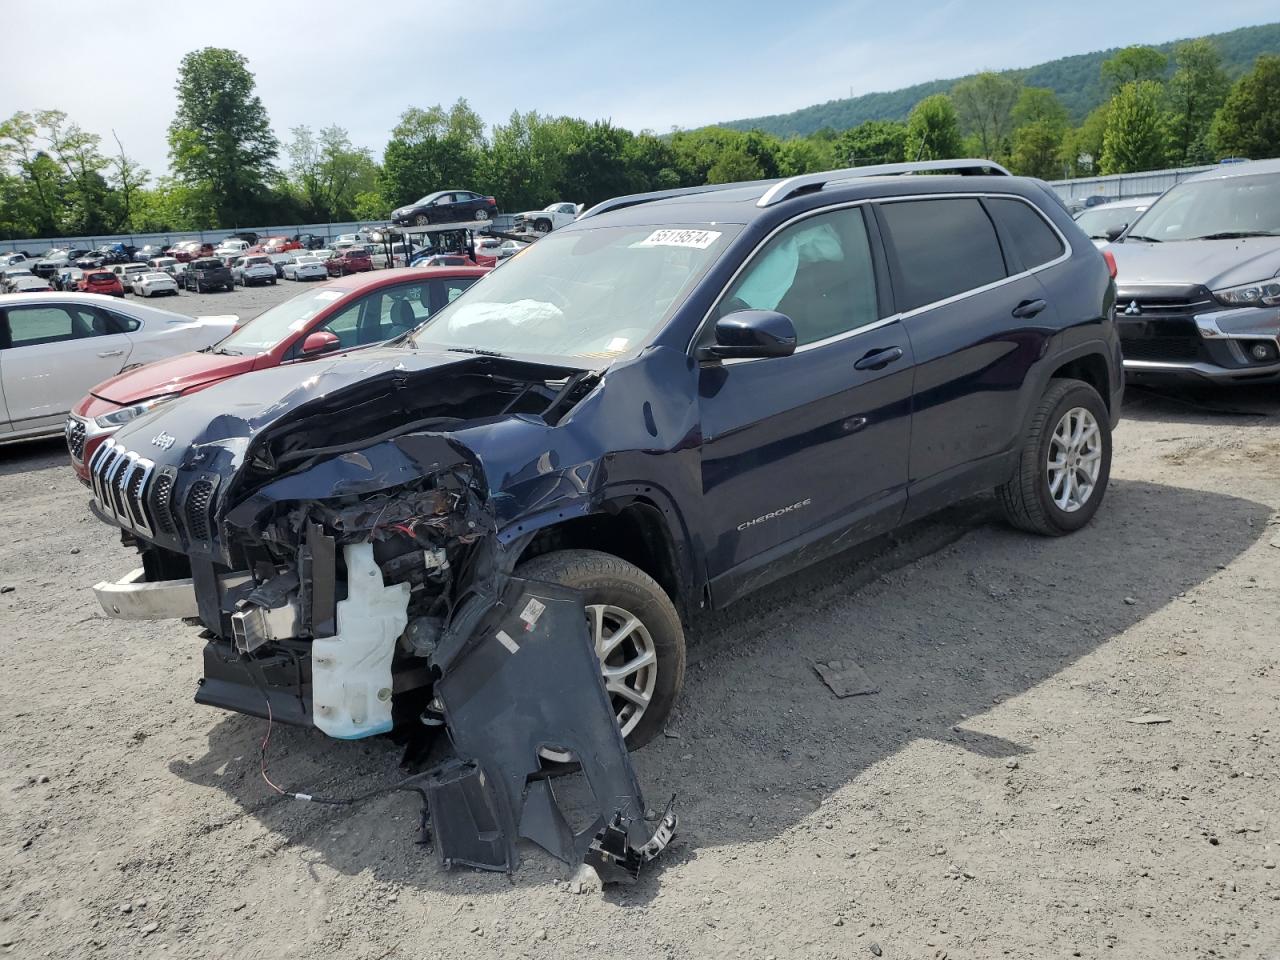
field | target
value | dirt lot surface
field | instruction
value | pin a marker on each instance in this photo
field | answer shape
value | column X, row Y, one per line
column 995, row 798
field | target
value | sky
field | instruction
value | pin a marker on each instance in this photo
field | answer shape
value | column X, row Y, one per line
column 651, row 65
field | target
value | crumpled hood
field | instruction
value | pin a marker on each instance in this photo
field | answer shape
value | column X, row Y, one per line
column 213, row 429
column 178, row 374
column 228, row 415
column 1213, row 263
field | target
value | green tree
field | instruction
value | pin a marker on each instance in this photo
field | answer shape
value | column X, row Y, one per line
column 933, row 130
column 984, row 105
column 875, row 141
column 37, row 197
column 1037, row 150
column 805, row 155
column 1137, row 136
column 1132, row 65
column 432, row 149
column 327, row 172
column 1248, row 123
column 220, row 141
column 1081, row 152
column 1196, row 91
column 1038, row 104
column 1040, row 129
column 734, row 165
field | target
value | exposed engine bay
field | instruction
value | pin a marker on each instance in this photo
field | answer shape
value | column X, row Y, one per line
column 346, row 566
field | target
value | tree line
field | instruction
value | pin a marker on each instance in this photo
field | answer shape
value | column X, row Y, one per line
column 227, row 168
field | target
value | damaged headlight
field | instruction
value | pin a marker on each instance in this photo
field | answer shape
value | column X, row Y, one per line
column 1264, row 293
column 119, row 418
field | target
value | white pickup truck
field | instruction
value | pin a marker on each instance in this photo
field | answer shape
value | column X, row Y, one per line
column 550, row 217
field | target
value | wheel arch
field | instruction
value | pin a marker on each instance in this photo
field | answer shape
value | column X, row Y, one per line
column 638, row 523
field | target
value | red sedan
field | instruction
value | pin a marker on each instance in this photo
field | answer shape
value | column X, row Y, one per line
column 346, row 314
column 275, row 245
column 352, row 260
column 101, row 281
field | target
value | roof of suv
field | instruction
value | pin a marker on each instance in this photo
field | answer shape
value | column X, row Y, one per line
column 739, row 204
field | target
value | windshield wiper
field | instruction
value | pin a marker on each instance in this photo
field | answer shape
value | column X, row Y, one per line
column 477, row 350
column 228, row 353
column 1138, row 236
column 1234, row 235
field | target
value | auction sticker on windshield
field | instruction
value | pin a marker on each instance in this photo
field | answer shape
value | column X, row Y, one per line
column 697, row 239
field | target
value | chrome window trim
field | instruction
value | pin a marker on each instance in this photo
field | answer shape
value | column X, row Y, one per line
column 885, row 321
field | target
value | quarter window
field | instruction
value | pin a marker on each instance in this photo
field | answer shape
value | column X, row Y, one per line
column 941, row 248
column 817, row 272
column 1032, row 238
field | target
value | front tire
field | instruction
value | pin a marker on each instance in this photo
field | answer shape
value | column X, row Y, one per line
column 1064, row 465
column 634, row 624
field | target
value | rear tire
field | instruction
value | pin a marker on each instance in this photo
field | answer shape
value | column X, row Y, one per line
column 616, row 588
column 1038, row 497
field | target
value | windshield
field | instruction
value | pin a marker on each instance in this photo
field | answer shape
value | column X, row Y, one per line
column 1226, row 208
column 1097, row 221
column 583, row 293
column 271, row 326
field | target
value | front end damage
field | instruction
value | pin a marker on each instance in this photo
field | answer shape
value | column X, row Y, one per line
column 358, row 583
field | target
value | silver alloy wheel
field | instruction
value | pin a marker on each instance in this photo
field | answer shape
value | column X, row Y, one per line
column 628, row 661
column 1075, row 457
column 482, row 214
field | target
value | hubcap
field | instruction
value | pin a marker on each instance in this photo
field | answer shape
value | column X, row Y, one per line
column 1075, row 457
column 628, row 662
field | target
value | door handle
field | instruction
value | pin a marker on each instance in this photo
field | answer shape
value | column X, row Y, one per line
column 879, row 359
column 1029, row 308
column 111, row 353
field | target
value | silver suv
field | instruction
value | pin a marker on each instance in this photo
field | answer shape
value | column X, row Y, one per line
column 258, row 268
column 1198, row 281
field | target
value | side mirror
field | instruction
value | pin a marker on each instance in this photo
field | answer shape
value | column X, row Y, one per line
column 1114, row 231
column 751, row 333
column 319, row 342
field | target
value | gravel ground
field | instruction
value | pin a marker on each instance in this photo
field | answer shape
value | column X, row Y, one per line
column 994, row 798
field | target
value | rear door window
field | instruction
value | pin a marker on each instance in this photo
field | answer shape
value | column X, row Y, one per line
column 940, row 248
column 34, row 325
column 1035, row 242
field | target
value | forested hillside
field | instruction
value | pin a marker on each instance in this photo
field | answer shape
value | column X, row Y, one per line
column 1076, row 81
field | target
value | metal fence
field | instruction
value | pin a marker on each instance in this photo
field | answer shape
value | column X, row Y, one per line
column 1120, row 186
column 38, row 245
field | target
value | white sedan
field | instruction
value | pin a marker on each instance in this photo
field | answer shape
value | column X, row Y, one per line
column 305, row 268
column 153, row 284
column 55, row 346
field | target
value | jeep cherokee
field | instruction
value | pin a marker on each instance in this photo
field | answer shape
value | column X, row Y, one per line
column 664, row 405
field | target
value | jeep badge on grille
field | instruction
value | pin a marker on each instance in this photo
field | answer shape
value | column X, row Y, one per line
column 162, row 440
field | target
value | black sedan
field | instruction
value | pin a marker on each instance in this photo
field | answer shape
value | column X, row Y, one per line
column 446, row 206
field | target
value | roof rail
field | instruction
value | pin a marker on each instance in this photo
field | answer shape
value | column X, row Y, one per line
column 807, row 182
column 633, row 199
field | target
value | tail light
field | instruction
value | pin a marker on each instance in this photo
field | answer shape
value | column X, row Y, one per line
column 491, row 200
column 1110, row 257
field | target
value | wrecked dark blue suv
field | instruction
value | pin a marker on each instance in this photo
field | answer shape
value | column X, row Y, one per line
column 664, row 405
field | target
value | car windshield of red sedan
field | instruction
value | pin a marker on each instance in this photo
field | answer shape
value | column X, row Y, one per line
column 271, row 326
column 582, row 293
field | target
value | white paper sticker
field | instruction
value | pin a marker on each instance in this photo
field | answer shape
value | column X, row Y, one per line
column 532, row 611
column 618, row 344
column 504, row 638
column 697, row 239
column 329, row 294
